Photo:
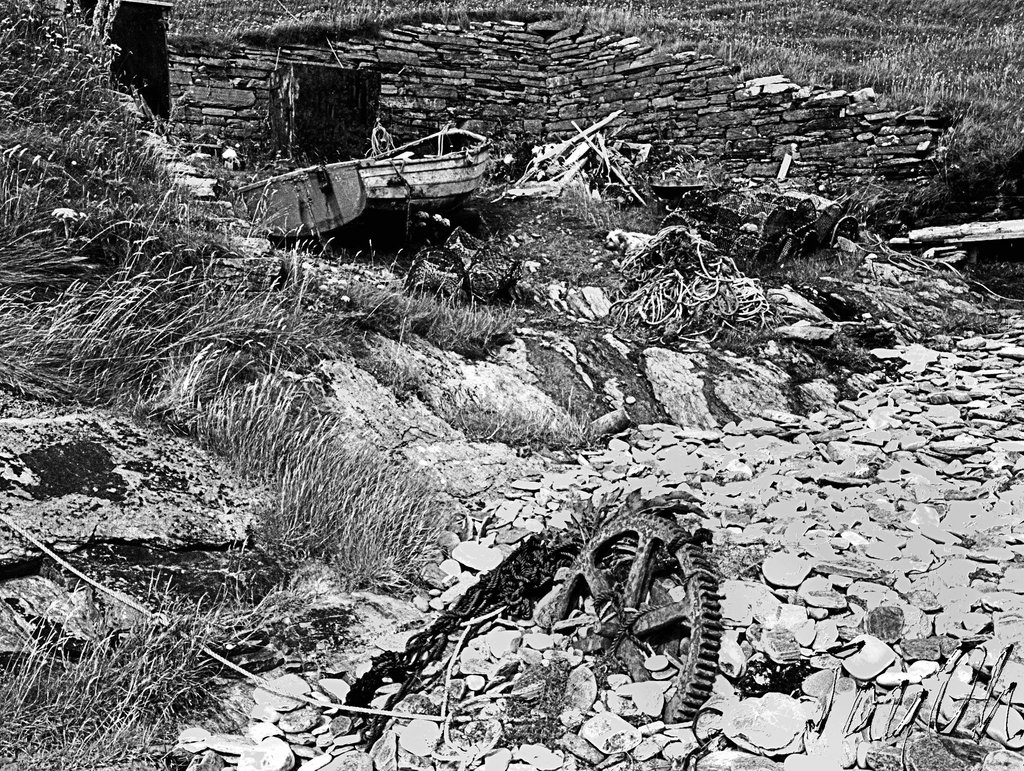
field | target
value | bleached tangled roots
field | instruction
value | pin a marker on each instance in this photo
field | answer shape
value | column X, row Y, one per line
column 678, row 283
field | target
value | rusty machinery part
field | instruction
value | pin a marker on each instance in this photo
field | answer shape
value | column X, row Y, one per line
column 655, row 591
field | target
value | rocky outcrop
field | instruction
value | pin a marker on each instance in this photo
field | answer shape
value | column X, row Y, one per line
column 438, row 385
column 706, row 390
column 77, row 478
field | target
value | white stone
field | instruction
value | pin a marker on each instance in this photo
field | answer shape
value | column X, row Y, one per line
column 610, row 734
column 771, row 725
column 280, row 691
column 647, row 695
column 477, row 556
column 260, row 731
column 498, row 760
column 785, row 570
column 873, row 658
column 419, row 737
column 539, row 756
column 271, row 754
column 336, row 688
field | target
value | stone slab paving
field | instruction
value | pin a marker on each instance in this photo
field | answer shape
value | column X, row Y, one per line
column 873, row 592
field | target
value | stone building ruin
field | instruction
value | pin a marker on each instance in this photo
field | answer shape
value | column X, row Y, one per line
column 524, row 81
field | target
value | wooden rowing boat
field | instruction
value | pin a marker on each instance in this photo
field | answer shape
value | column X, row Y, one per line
column 306, row 203
column 435, row 173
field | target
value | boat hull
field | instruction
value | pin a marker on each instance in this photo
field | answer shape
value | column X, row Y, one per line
column 435, row 183
column 307, row 203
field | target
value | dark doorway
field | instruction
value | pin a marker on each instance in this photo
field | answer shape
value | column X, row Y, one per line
column 324, row 114
column 140, row 32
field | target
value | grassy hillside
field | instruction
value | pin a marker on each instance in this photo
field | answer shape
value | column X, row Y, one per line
column 106, row 297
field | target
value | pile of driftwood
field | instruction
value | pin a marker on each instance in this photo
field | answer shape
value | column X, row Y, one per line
column 591, row 156
column 680, row 284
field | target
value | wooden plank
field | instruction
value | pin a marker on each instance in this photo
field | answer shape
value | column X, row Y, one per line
column 611, row 167
column 1007, row 230
column 588, row 132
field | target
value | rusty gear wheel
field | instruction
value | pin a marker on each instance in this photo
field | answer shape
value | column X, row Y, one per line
column 654, row 591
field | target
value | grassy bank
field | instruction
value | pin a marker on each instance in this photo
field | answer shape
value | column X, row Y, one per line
column 105, row 297
column 103, row 705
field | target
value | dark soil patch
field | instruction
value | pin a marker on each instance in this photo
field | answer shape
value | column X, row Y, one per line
column 764, row 676
column 155, row 576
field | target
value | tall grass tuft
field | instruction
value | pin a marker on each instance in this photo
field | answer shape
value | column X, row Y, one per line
column 205, row 358
column 109, row 703
column 374, row 518
column 79, row 189
column 470, row 330
column 534, row 428
column 130, row 336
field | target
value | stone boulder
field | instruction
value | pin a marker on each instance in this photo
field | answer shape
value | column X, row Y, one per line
column 705, row 390
column 92, row 477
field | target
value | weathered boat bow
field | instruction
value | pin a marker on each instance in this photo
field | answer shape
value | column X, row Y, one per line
column 307, row 203
column 435, row 173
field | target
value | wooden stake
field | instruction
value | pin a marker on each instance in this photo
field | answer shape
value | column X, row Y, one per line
column 611, row 167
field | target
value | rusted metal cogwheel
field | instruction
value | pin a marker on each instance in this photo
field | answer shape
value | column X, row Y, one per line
column 655, row 591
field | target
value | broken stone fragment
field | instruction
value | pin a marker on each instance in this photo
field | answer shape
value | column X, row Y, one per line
column 731, row 659
column 817, row 592
column 770, row 725
column 780, row 646
column 498, row 760
column 647, row 695
column 299, row 721
column 260, row 731
column 580, row 748
column 279, row 692
column 336, row 688
column 228, row 744
column 884, row 622
column 785, row 570
column 539, row 756
column 419, row 737
column 610, row 734
column 475, row 555
column 581, row 689
column 271, row 754
column 872, row 658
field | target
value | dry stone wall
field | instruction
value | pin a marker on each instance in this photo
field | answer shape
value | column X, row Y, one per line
column 523, row 81
column 430, row 75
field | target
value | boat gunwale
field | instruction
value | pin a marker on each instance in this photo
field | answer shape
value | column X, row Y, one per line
column 482, row 143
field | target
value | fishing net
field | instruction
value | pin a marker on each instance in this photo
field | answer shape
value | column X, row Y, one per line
column 681, row 284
